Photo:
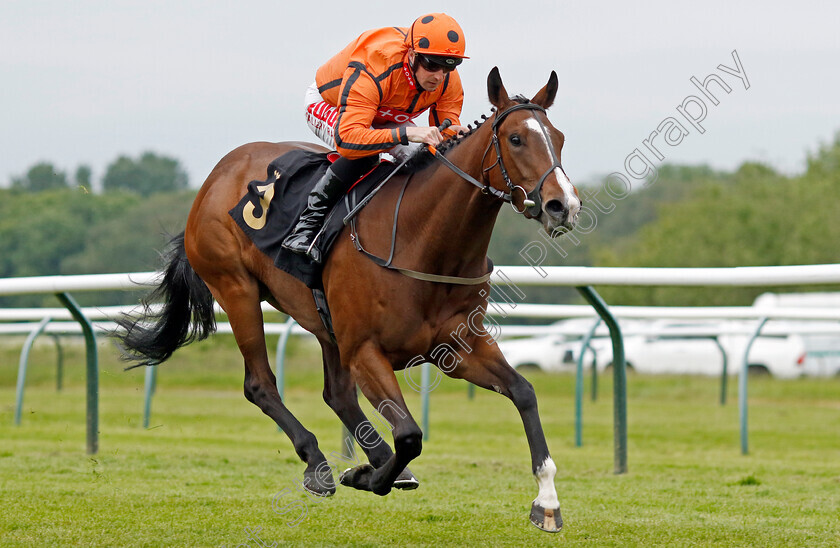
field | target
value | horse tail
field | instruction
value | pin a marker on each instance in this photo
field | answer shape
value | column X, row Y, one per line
column 185, row 315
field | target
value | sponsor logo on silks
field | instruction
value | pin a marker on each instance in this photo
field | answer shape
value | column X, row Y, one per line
column 409, row 76
column 386, row 114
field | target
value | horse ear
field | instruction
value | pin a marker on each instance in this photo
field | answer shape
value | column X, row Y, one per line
column 496, row 89
column 545, row 96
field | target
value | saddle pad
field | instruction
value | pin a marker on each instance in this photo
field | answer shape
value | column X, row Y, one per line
column 270, row 209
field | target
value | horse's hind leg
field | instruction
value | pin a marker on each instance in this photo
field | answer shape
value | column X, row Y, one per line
column 340, row 395
column 239, row 297
column 485, row 366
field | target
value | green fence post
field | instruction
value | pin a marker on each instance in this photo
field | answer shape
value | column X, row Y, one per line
column 24, row 364
column 59, row 363
column 723, row 378
column 425, row 374
column 742, row 387
column 579, row 384
column 92, row 371
column 619, row 378
column 150, row 385
column 280, row 357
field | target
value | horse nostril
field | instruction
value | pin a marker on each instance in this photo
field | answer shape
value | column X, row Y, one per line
column 556, row 209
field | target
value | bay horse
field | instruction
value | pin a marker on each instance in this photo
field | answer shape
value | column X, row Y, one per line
column 381, row 319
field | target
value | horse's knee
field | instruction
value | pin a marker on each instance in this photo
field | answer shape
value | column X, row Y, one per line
column 409, row 444
column 334, row 401
column 523, row 395
column 250, row 391
column 254, row 390
column 257, row 387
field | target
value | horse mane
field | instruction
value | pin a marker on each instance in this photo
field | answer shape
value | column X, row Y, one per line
column 423, row 158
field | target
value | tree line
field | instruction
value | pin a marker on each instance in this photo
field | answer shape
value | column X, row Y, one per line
column 695, row 216
column 51, row 224
column 690, row 216
column 148, row 174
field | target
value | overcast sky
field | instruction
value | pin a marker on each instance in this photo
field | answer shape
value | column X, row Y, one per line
column 86, row 81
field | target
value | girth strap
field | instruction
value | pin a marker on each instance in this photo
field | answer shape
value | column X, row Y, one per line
column 446, row 279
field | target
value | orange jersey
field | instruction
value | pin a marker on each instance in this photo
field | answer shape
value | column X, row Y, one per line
column 371, row 84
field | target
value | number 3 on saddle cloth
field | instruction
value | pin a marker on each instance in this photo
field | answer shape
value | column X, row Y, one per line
column 270, row 209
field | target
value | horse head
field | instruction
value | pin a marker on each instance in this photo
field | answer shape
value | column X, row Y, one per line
column 528, row 152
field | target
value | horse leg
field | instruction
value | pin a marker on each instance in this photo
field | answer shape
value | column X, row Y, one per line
column 340, row 395
column 378, row 383
column 485, row 366
column 240, row 300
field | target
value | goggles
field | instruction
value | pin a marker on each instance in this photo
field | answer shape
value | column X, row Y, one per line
column 434, row 63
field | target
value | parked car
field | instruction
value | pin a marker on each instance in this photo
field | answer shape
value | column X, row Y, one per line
column 822, row 340
column 665, row 347
column 548, row 352
column 556, row 352
column 823, row 355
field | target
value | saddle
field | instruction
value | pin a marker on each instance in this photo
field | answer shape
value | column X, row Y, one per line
column 270, row 209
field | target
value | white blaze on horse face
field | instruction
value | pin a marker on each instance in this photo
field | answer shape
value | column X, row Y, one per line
column 547, row 497
column 572, row 202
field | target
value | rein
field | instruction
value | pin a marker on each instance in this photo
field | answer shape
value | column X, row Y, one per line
column 532, row 201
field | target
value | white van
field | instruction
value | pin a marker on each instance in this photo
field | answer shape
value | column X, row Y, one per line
column 822, row 343
column 664, row 347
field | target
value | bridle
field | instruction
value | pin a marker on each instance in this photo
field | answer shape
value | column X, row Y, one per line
column 532, row 202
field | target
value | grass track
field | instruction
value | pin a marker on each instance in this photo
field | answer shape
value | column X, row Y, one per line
column 212, row 463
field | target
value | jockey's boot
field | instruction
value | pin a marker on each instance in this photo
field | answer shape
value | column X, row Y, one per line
column 325, row 193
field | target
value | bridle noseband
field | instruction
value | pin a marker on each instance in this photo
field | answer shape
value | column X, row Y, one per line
column 532, row 201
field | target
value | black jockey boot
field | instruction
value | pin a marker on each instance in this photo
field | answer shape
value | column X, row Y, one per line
column 325, row 193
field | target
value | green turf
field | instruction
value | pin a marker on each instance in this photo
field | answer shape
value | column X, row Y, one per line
column 211, row 464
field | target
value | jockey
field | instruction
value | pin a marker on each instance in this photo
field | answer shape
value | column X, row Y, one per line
column 363, row 102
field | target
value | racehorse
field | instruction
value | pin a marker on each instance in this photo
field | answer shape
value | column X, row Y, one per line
column 381, row 319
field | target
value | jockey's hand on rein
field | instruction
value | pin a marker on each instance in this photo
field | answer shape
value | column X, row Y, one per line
column 427, row 135
column 430, row 135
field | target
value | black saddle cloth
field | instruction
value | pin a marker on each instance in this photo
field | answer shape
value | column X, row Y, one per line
column 290, row 178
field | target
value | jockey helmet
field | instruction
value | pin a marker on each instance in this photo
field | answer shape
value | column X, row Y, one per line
column 439, row 36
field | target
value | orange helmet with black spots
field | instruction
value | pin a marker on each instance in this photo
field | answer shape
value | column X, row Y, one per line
column 437, row 34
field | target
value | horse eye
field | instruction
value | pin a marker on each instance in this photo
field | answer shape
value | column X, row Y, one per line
column 515, row 140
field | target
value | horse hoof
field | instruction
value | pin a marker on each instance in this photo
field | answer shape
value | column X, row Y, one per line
column 406, row 481
column 546, row 518
column 358, row 477
column 320, row 482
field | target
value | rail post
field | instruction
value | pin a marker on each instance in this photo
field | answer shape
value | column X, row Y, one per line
column 280, row 358
column 579, row 384
column 92, row 374
column 150, row 383
column 742, row 387
column 723, row 376
column 59, row 364
column 280, row 355
column 619, row 378
column 24, row 364
column 425, row 374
